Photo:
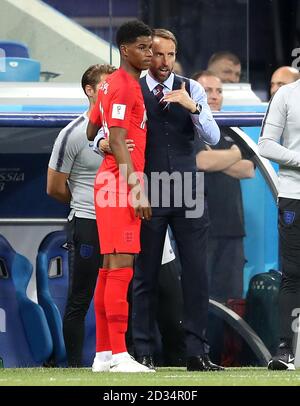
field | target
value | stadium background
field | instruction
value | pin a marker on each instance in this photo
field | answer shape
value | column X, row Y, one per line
column 263, row 33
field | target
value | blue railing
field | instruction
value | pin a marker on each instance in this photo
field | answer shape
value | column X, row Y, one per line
column 45, row 120
column 227, row 119
column 239, row 119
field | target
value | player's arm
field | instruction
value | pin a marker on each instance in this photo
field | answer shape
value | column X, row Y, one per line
column 120, row 151
column 92, row 130
column 64, row 152
column 244, row 169
column 57, row 186
column 102, row 147
column 117, row 144
column 270, row 140
column 95, row 122
column 212, row 160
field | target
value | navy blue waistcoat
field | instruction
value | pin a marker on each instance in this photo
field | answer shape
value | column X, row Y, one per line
column 170, row 134
column 170, row 148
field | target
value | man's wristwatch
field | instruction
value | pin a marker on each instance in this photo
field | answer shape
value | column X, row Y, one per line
column 198, row 109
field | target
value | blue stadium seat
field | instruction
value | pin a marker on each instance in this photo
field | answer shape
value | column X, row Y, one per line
column 25, row 338
column 19, row 70
column 52, row 286
column 14, row 49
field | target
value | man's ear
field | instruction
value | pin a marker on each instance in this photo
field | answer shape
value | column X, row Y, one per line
column 89, row 90
column 124, row 50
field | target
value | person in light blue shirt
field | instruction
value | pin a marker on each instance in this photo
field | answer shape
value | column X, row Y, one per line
column 194, row 101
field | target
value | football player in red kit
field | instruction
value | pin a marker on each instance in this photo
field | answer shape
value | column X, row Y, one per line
column 119, row 198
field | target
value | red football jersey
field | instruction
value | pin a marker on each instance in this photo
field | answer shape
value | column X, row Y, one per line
column 120, row 104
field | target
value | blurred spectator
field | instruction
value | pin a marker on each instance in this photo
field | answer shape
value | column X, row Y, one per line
column 226, row 65
column 178, row 69
column 283, row 76
column 226, row 166
column 213, row 88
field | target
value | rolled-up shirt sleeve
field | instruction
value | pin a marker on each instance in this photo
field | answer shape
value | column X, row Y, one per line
column 205, row 125
column 271, row 140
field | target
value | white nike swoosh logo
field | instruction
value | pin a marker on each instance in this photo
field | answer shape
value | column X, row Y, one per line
column 291, row 359
column 286, row 363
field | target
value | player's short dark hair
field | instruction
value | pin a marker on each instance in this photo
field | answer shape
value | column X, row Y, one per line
column 163, row 33
column 224, row 55
column 130, row 31
column 93, row 75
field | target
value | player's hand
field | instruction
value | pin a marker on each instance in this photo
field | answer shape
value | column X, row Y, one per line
column 140, row 203
column 144, row 212
column 104, row 146
column 182, row 97
column 246, row 152
column 236, row 148
column 130, row 145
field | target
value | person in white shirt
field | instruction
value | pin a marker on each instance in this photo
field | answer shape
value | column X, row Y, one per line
column 280, row 142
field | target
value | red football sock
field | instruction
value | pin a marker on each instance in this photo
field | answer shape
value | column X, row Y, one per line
column 116, row 306
column 102, row 333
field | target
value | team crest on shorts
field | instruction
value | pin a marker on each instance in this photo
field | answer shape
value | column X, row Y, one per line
column 289, row 217
column 129, row 236
column 86, row 251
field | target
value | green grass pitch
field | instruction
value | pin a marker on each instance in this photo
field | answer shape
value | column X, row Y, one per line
column 163, row 377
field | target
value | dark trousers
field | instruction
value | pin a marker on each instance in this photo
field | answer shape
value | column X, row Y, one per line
column 191, row 239
column 170, row 314
column 289, row 293
column 226, row 262
column 84, row 263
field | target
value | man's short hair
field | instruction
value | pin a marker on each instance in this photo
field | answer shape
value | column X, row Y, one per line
column 163, row 33
column 92, row 75
column 201, row 73
column 224, row 55
column 130, row 31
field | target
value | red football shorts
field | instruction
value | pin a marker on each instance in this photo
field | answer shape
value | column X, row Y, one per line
column 118, row 228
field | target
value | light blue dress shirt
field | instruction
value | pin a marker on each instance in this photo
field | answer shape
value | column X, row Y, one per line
column 204, row 123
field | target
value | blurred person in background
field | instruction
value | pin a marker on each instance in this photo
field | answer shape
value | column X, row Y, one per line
column 178, row 69
column 283, row 76
column 224, row 165
column 226, row 65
